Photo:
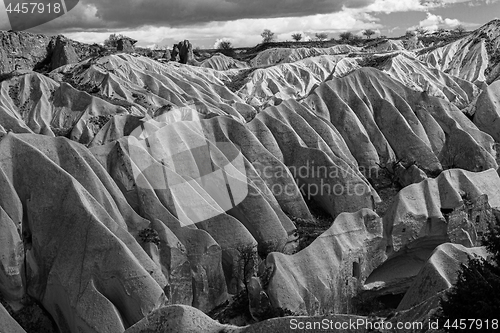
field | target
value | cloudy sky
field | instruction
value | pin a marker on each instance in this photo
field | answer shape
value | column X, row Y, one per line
column 203, row 22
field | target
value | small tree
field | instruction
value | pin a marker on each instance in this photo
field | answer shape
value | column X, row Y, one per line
column 421, row 31
column 267, row 36
column 247, row 262
column 410, row 33
column 460, row 29
column 112, row 40
column 297, row 37
column 346, row 36
column 475, row 294
column 368, row 33
column 225, row 45
column 321, row 36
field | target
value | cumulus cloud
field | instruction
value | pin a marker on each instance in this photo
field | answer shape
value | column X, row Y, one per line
column 97, row 14
column 434, row 22
column 220, row 40
column 243, row 32
column 203, row 21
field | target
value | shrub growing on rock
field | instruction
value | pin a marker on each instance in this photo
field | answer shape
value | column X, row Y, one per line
column 476, row 292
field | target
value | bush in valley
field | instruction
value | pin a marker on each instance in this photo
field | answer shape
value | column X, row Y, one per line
column 476, row 291
column 375, row 61
column 149, row 235
column 112, row 40
column 99, row 121
column 32, row 317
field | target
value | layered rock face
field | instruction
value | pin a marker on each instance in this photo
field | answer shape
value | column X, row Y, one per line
column 395, row 121
column 439, row 273
column 21, row 50
column 63, row 53
column 129, row 186
column 325, row 275
column 457, row 207
column 27, row 51
column 473, row 58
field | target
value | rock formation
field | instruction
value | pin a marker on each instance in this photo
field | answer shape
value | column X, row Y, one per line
column 439, row 273
column 63, row 53
column 125, row 44
column 129, row 186
column 324, row 276
column 8, row 323
column 185, row 52
column 15, row 46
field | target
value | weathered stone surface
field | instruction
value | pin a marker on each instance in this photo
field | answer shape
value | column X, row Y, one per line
column 174, row 55
column 428, row 214
column 185, row 52
column 470, row 58
column 179, row 319
column 439, row 273
column 184, row 319
column 12, row 287
column 63, row 52
column 125, row 45
column 419, row 211
column 438, row 133
column 410, row 175
column 259, row 303
column 289, row 55
column 83, row 262
column 487, row 111
column 7, row 323
column 327, row 274
column 22, row 50
column 31, row 102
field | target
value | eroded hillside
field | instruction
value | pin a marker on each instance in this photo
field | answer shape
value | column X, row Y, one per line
column 138, row 193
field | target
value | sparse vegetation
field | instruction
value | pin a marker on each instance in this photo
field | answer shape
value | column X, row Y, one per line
column 246, row 264
column 99, row 121
column 224, row 44
column 460, row 29
column 346, row 36
column 297, row 37
column 375, row 61
column 149, row 235
column 321, row 36
column 368, row 33
column 267, row 36
column 225, row 47
column 238, row 81
column 112, row 40
column 33, row 318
